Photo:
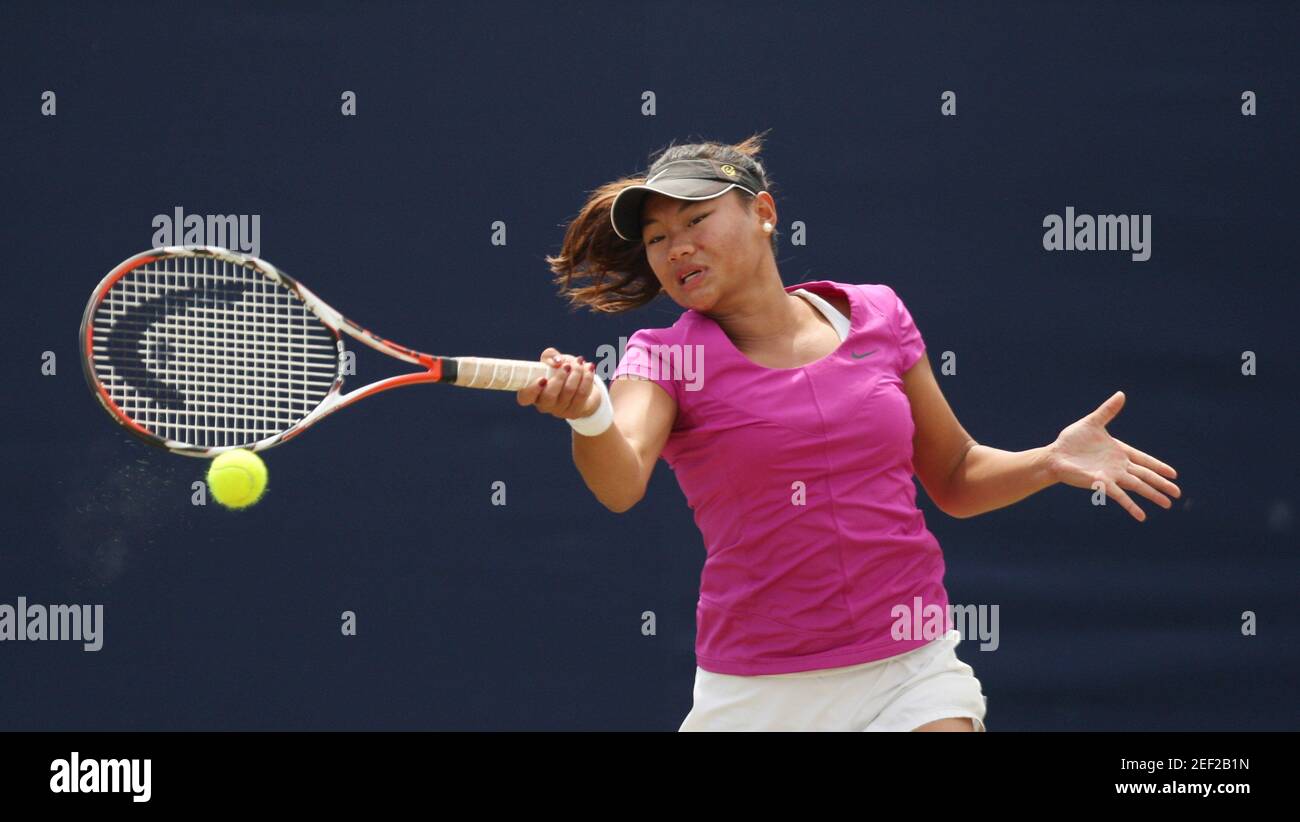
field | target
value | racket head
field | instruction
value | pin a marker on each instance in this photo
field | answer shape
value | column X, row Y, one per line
column 200, row 350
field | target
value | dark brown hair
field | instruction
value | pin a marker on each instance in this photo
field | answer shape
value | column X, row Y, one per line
column 618, row 275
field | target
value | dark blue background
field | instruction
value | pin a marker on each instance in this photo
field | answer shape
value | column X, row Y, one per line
column 528, row 615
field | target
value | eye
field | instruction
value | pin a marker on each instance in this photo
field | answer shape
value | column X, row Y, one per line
column 657, row 238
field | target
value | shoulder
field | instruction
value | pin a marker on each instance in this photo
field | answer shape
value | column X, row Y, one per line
column 686, row 326
column 657, row 353
column 880, row 297
column 838, row 297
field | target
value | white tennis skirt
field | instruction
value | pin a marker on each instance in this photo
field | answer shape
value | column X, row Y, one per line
column 899, row 693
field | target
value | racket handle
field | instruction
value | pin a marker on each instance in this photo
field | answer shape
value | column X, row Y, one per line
column 501, row 375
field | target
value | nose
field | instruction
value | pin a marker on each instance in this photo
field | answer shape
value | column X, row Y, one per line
column 678, row 250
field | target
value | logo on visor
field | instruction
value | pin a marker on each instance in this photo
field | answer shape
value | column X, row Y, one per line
column 729, row 170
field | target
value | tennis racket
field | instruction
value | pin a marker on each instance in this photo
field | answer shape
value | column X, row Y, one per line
column 199, row 350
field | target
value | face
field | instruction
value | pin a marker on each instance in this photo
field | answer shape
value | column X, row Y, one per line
column 721, row 235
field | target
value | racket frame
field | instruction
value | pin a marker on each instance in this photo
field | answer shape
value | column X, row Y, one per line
column 436, row 369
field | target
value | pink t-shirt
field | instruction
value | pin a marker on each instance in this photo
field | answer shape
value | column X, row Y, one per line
column 800, row 480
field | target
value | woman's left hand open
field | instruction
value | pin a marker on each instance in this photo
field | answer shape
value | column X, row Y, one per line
column 1084, row 453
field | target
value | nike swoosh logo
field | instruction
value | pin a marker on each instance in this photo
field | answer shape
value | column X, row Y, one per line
column 128, row 342
column 860, row 356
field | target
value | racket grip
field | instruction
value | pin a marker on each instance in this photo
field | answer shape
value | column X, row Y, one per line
column 501, row 375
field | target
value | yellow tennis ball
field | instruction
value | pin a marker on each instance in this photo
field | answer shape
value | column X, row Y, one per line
column 237, row 478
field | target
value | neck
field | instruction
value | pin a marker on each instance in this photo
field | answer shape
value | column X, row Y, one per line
column 762, row 313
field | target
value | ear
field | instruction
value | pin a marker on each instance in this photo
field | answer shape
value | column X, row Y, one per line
column 764, row 207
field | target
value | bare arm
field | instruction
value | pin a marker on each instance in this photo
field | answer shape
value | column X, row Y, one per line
column 963, row 477
column 990, row 478
column 616, row 464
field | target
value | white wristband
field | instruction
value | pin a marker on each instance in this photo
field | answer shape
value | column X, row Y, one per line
column 596, row 423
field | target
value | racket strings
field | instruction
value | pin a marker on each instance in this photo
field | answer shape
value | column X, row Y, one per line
column 210, row 352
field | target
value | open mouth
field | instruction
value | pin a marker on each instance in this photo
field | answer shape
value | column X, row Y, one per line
column 691, row 275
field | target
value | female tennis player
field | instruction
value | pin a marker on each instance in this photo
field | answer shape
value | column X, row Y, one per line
column 794, row 418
